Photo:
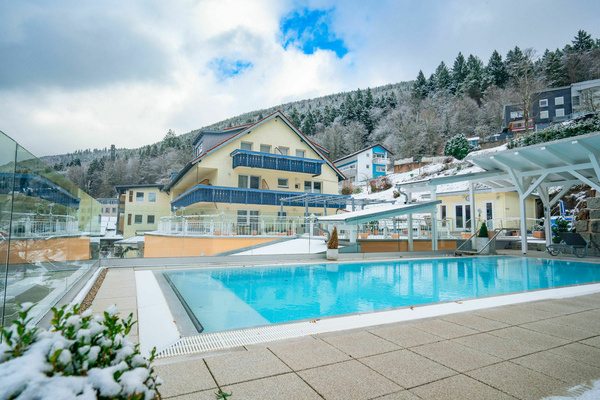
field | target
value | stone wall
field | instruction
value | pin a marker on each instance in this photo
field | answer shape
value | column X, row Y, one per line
column 589, row 228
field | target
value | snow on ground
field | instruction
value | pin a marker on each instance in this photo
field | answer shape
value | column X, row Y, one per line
column 294, row 246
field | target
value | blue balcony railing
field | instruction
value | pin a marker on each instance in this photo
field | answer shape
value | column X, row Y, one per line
column 254, row 159
column 221, row 194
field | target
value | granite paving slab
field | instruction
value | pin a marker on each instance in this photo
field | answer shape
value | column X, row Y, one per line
column 407, row 368
column 348, row 380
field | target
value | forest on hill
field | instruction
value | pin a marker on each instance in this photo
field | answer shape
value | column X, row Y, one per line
column 412, row 119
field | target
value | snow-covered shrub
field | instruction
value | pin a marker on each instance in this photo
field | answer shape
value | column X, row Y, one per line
column 581, row 126
column 458, row 147
column 380, row 184
column 347, row 188
column 81, row 357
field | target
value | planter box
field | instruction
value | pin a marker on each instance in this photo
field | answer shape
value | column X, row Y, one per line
column 394, row 235
column 363, row 235
column 332, row 254
column 539, row 234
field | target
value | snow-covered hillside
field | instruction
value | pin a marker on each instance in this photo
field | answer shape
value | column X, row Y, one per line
column 434, row 170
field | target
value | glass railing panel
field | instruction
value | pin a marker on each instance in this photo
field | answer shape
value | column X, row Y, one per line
column 46, row 226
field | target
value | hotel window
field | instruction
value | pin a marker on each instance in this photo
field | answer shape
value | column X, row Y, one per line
column 265, row 148
column 138, row 219
column 560, row 112
column 380, row 168
column 544, row 114
column 300, row 153
column 559, row 101
column 198, row 150
column 576, row 101
column 516, row 114
column 282, row 182
column 139, row 196
column 284, row 151
column 152, row 197
column 246, row 146
column 443, row 213
column 312, row 187
column 249, row 181
column 128, row 219
column 247, row 220
column 114, row 209
column 544, row 103
column 150, row 219
column 131, row 196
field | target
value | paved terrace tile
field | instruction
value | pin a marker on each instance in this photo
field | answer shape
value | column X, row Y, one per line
column 530, row 351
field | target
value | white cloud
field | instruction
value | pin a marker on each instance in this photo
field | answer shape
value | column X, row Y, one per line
column 387, row 42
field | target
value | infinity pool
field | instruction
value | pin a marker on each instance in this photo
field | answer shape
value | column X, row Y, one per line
column 221, row 299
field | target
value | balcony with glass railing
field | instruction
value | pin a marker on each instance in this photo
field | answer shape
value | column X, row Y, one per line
column 254, row 159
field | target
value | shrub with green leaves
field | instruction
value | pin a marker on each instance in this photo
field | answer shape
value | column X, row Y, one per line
column 457, row 147
column 82, row 357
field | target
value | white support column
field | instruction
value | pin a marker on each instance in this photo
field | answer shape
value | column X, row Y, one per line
column 544, row 196
column 410, row 225
column 434, row 232
column 523, row 210
column 473, row 211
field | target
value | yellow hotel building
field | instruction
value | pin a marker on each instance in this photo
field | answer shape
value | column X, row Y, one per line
column 258, row 180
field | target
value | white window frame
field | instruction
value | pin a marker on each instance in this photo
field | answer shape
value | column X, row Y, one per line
column 286, row 185
column 284, row 151
column 312, row 186
column 560, row 112
column 490, row 225
column 444, row 219
column 152, row 197
column 544, row 114
column 264, row 146
column 576, row 101
column 464, row 216
column 148, row 219
column 135, row 217
column 380, row 168
column 516, row 114
column 559, row 101
column 544, row 103
column 249, row 186
column 300, row 153
column 137, row 197
column 242, row 144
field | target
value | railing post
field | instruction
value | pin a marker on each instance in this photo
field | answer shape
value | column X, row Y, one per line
column 212, row 227
column 185, row 226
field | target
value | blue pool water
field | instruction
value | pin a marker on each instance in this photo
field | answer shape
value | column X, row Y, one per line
column 234, row 298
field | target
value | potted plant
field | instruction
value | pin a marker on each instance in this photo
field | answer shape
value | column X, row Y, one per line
column 332, row 245
column 538, row 230
column 482, row 239
column 562, row 225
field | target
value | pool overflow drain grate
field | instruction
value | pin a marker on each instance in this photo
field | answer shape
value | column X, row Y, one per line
column 225, row 340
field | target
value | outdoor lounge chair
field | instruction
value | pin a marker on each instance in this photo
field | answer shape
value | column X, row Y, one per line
column 573, row 241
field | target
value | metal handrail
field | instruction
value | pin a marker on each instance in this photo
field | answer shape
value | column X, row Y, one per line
column 484, row 247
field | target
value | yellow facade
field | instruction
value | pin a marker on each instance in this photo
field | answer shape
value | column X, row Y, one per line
column 505, row 206
column 141, row 212
column 216, row 169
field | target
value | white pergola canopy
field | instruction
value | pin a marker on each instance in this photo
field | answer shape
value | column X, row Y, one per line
column 564, row 162
column 385, row 212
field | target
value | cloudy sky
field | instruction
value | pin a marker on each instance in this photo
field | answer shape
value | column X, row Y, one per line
column 78, row 75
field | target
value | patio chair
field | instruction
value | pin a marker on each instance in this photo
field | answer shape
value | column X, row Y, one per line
column 573, row 241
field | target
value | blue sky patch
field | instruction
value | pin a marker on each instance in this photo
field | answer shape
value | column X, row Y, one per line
column 309, row 30
column 226, row 68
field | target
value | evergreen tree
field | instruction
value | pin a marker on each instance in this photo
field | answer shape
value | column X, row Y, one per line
column 514, row 60
column 443, row 77
column 496, row 70
column 553, row 68
column 308, row 125
column 420, row 87
column 583, row 41
column 457, row 147
column 459, row 72
column 473, row 84
column 295, row 118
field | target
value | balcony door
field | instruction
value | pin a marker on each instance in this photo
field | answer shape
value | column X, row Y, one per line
column 462, row 217
column 247, row 222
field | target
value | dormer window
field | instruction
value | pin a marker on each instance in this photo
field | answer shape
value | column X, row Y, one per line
column 198, row 150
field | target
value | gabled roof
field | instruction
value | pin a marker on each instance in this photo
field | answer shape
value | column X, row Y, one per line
column 228, row 135
column 360, row 151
